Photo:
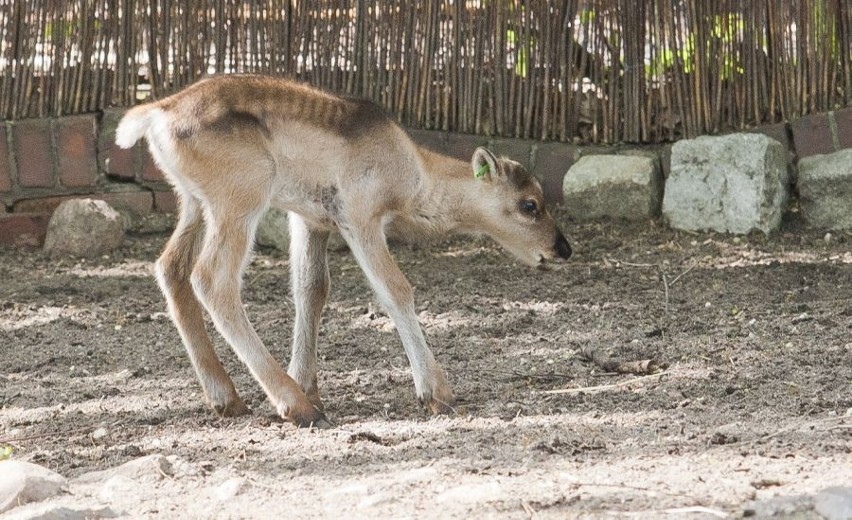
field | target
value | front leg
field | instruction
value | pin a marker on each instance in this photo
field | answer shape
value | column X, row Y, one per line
column 369, row 246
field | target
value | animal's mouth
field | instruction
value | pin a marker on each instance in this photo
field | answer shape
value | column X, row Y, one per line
column 549, row 262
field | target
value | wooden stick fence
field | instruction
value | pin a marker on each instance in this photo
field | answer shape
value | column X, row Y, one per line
column 598, row 71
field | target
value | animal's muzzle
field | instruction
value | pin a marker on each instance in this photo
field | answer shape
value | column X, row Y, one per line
column 562, row 247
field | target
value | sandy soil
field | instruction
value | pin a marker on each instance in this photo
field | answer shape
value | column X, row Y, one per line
column 755, row 335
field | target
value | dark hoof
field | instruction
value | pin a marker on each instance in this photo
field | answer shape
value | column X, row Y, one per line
column 316, row 420
column 322, row 424
column 231, row 409
column 442, row 407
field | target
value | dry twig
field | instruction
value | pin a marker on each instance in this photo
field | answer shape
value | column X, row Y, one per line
column 603, row 388
column 637, row 367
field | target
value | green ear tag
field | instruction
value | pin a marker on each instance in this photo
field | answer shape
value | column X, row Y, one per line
column 480, row 173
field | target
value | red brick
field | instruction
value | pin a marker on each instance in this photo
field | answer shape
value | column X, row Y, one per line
column 843, row 118
column 115, row 161
column 76, row 150
column 25, row 230
column 150, row 171
column 33, row 153
column 812, row 135
column 121, row 162
column 165, row 202
column 5, row 165
column 550, row 164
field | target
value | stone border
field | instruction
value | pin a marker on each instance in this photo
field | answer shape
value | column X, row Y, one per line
column 46, row 161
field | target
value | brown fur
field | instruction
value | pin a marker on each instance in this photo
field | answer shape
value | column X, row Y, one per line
column 233, row 146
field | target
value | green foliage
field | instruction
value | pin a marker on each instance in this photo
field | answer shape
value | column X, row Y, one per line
column 6, row 452
column 725, row 33
column 521, row 61
column 68, row 28
column 824, row 29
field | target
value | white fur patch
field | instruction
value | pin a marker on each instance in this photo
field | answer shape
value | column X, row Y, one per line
column 132, row 127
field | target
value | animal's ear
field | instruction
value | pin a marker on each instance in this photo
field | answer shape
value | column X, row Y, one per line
column 484, row 165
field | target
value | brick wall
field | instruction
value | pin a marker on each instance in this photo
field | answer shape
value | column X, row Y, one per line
column 46, row 161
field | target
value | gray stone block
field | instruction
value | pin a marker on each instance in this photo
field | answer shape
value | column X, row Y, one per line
column 734, row 184
column 825, row 190
column 274, row 230
column 616, row 186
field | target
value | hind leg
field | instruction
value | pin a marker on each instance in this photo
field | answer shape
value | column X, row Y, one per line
column 217, row 278
column 173, row 269
column 310, row 282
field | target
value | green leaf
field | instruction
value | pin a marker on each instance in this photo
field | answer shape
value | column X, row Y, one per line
column 5, row 452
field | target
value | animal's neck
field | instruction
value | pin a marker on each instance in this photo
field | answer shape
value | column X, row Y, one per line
column 447, row 199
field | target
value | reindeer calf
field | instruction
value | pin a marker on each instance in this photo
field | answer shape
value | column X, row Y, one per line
column 234, row 145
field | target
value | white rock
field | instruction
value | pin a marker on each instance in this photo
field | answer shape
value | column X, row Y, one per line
column 58, row 512
column 24, row 482
column 84, row 228
column 834, row 503
column 150, row 467
column 116, row 487
column 229, row 489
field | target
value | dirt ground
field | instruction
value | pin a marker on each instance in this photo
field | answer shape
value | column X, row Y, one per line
column 754, row 401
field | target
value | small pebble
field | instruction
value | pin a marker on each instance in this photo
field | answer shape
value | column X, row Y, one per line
column 100, row 433
column 229, row 489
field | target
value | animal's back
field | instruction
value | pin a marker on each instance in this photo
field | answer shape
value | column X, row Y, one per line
column 229, row 103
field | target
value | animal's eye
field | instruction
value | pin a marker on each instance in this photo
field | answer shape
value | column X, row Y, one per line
column 530, row 207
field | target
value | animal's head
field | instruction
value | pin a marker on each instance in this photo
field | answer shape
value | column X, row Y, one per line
column 515, row 216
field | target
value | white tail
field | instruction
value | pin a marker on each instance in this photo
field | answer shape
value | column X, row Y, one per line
column 133, row 126
column 235, row 145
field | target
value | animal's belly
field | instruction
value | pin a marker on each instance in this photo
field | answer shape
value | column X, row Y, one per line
column 317, row 207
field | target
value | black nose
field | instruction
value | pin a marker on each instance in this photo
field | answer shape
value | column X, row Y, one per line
column 562, row 247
